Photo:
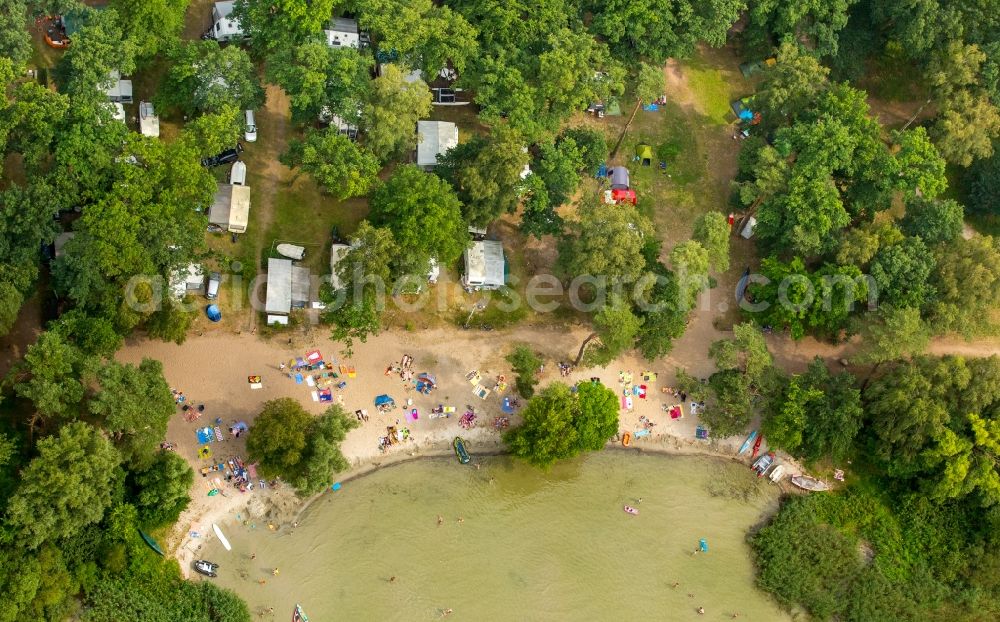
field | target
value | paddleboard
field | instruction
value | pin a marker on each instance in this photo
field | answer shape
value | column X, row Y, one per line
column 222, row 538
column 746, row 444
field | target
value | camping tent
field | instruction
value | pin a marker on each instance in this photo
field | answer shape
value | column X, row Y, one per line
column 213, row 313
column 644, row 154
column 623, row 195
column 619, row 178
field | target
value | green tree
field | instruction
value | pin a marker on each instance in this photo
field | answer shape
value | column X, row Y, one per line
column 99, row 47
column 424, row 216
column 791, row 85
column 984, row 191
column 712, row 231
column 966, row 128
column 657, row 30
column 966, row 280
column 606, row 242
column 486, row 174
column 548, row 433
column 901, row 272
column 362, row 273
column 15, row 42
column 205, row 77
column 318, row 77
column 161, row 489
column 303, row 450
column 134, row 405
column 422, row 34
column 921, row 167
column 170, row 322
column 558, row 166
column 525, row 362
column 596, row 416
column 279, row 437
column 933, row 220
column 539, row 217
column 272, row 24
column 745, row 369
column 391, row 112
column 815, row 23
column 151, row 27
column 664, row 317
column 690, row 261
column 617, row 326
column 51, row 377
column 337, row 164
column 649, row 83
column 591, row 144
column 66, row 487
column 892, row 333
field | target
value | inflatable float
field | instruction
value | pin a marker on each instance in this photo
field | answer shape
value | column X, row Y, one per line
column 631, row 510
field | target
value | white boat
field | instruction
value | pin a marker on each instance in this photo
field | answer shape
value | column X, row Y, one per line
column 291, row 251
column 777, row 473
column 222, row 538
column 810, row 483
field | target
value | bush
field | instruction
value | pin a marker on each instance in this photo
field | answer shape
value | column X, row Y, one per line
column 525, row 363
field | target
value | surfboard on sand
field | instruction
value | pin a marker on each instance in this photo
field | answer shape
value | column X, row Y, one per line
column 222, row 538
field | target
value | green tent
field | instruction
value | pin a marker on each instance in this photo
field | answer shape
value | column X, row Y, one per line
column 644, row 154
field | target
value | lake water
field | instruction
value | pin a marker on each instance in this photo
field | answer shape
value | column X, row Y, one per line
column 532, row 545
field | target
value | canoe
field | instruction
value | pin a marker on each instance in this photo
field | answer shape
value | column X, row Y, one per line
column 631, row 510
column 777, row 473
column 298, row 615
column 291, row 251
column 151, row 542
column 746, row 444
column 756, row 446
column 627, row 439
column 222, row 538
column 460, row 451
column 810, row 483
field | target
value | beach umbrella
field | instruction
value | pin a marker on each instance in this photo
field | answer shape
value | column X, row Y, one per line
column 383, row 399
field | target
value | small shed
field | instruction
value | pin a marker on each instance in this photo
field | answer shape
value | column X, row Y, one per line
column 279, row 287
column 484, row 265
column 619, row 178
column 644, row 154
column 342, row 32
column 118, row 90
column 748, row 229
column 434, row 138
column 231, row 208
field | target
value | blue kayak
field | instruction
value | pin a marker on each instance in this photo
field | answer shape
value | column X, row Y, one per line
column 746, row 444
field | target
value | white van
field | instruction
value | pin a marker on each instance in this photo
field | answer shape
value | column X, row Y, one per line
column 238, row 174
column 250, row 134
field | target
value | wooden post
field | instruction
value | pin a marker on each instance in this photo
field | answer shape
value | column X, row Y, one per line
column 618, row 144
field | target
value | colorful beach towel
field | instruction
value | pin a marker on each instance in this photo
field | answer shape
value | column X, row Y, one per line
column 218, row 434
column 626, row 402
column 205, row 435
column 298, row 378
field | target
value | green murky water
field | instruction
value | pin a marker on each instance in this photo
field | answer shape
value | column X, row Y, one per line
column 531, row 545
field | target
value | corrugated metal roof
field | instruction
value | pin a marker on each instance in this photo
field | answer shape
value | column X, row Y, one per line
column 484, row 264
column 434, row 138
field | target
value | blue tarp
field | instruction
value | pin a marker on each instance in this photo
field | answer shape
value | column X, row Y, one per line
column 205, row 435
column 213, row 313
column 506, row 407
column 651, row 107
column 383, row 399
column 746, row 114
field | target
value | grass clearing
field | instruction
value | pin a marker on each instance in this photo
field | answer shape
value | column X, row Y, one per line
column 711, row 89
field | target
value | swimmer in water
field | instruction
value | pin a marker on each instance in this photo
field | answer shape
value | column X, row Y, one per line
column 274, row 572
column 461, row 520
column 701, row 610
column 440, row 520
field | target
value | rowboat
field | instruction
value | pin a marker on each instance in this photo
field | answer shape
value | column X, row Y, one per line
column 291, row 251
column 746, row 444
column 631, row 510
column 222, row 538
column 777, row 473
column 756, row 446
column 205, row 567
column 810, row 483
column 298, row 615
column 460, row 451
column 151, row 542
column 763, row 463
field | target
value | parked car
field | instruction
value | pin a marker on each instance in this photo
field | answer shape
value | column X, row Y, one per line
column 212, row 291
column 250, row 133
column 226, row 157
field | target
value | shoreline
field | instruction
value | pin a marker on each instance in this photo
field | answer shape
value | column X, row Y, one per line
column 296, row 507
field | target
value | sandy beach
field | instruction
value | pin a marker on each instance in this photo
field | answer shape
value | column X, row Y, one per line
column 213, row 370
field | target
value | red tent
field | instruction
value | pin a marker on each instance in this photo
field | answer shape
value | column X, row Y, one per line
column 623, row 195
